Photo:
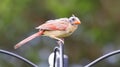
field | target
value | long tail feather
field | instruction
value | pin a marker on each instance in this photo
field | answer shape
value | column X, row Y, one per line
column 28, row 39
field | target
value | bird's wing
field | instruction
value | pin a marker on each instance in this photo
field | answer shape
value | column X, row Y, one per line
column 58, row 24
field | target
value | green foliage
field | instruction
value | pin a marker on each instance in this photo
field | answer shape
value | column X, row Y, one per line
column 64, row 7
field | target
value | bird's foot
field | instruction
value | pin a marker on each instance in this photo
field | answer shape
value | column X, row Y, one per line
column 60, row 41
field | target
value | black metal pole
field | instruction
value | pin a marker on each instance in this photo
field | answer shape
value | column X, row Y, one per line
column 102, row 58
column 57, row 58
column 61, row 61
column 18, row 56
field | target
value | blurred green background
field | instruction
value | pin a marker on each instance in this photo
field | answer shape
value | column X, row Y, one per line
column 98, row 34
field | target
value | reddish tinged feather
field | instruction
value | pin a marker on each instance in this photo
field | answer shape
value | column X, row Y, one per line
column 55, row 26
column 28, row 39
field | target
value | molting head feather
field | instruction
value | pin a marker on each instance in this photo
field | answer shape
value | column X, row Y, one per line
column 74, row 20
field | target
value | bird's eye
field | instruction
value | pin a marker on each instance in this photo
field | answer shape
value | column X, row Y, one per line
column 73, row 19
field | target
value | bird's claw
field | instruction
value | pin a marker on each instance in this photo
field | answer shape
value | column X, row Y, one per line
column 60, row 41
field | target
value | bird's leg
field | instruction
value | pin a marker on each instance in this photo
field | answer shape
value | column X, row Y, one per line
column 59, row 39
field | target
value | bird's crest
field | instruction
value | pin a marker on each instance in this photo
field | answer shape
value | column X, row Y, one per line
column 73, row 15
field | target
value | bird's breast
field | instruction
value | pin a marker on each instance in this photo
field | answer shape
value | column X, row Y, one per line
column 59, row 33
column 56, row 33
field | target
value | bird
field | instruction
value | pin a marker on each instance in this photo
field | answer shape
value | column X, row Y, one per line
column 57, row 29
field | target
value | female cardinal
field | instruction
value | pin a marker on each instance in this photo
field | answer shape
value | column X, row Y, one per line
column 56, row 29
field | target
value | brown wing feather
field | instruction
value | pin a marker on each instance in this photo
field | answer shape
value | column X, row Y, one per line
column 58, row 24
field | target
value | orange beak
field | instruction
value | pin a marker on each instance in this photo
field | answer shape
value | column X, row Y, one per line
column 77, row 22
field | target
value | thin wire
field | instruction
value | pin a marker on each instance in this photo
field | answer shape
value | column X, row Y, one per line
column 18, row 56
column 102, row 58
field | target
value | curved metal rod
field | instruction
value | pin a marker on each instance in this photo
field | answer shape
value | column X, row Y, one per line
column 18, row 56
column 102, row 58
column 55, row 53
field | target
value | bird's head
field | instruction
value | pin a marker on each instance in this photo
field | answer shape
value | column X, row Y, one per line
column 74, row 20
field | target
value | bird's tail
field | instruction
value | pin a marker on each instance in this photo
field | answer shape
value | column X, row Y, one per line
column 28, row 39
